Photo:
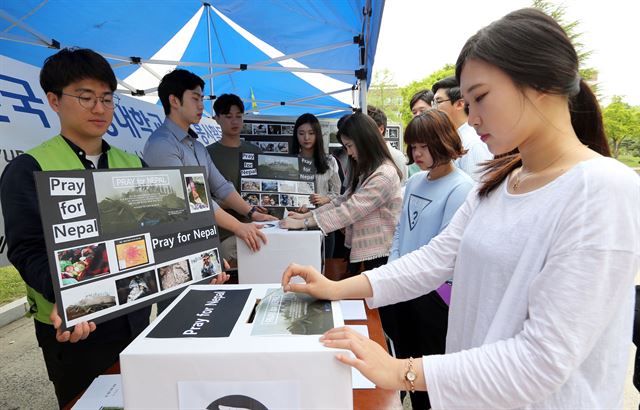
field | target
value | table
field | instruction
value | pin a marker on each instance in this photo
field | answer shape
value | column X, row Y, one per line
column 363, row 399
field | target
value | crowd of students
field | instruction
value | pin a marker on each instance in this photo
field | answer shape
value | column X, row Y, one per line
column 502, row 283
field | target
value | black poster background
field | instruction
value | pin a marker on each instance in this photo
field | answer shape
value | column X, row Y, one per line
column 195, row 315
column 194, row 221
column 250, row 169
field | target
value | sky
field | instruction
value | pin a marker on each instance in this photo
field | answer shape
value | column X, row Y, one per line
column 418, row 37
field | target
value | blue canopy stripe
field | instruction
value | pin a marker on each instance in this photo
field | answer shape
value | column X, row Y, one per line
column 287, row 56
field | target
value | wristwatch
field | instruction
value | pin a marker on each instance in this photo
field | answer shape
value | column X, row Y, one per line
column 252, row 211
column 410, row 376
column 306, row 224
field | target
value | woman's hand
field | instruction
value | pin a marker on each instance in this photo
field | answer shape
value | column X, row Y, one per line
column 292, row 223
column 316, row 284
column 223, row 276
column 80, row 331
column 299, row 215
column 371, row 359
column 319, row 200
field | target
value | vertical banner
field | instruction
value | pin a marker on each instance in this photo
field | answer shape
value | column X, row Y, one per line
column 119, row 240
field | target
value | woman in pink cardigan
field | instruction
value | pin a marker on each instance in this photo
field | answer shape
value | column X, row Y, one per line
column 369, row 208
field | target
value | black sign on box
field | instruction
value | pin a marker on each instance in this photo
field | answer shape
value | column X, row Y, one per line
column 203, row 313
column 121, row 239
column 277, row 182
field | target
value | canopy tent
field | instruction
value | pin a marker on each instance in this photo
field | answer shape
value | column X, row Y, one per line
column 282, row 57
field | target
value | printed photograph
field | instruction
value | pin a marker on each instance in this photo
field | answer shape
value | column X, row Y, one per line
column 90, row 298
column 305, row 187
column 132, row 199
column 197, row 192
column 275, row 129
column 269, row 200
column 136, row 287
column 270, row 186
column 246, row 129
column 287, row 130
column 205, row 264
column 278, row 167
column 302, row 200
column 251, row 198
column 267, row 146
column 250, row 184
column 131, row 252
column 287, row 186
column 259, row 129
column 282, row 147
column 393, row 133
column 82, row 263
column 174, row 274
column 286, row 200
column 281, row 313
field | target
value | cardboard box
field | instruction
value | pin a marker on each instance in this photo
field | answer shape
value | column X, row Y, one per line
column 282, row 248
column 179, row 361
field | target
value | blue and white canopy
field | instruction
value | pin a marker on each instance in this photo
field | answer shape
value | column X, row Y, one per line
column 283, row 57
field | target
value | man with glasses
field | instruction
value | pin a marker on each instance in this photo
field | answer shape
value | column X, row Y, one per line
column 447, row 98
column 79, row 85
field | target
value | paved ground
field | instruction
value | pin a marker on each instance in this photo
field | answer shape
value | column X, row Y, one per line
column 24, row 383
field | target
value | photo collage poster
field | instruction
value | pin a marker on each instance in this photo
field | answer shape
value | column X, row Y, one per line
column 121, row 239
column 392, row 135
column 270, row 136
column 276, row 182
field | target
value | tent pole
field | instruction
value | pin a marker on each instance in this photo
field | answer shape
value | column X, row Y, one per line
column 211, row 92
column 363, row 95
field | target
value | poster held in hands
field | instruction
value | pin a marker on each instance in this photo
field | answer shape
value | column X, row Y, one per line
column 121, row 239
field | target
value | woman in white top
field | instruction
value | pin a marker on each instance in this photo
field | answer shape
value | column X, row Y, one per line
column 308, row 143
column 543, row 255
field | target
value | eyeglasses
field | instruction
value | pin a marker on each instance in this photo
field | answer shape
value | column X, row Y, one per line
column 89, row 100
column 435, row 102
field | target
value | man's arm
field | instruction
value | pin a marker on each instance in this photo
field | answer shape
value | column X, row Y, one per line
column 26, row 248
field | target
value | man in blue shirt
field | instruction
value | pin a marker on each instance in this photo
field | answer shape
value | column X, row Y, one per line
column 174, row 143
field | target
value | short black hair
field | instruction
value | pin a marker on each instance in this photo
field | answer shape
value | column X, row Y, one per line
column 424, row 95
column 451, row 85
column 75, row 64
column 378, row 116
column 176, row 83
column 223, row 104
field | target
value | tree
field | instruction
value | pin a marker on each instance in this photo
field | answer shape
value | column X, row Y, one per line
column 558, row 12
column 385, row 94
column 424, row 84
column 621, row 124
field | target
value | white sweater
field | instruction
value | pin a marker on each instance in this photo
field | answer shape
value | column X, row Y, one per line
column 542, row 308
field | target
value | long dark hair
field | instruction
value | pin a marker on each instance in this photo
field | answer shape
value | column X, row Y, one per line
column 532, row 49
column 319, row 157
column 435, row 129
column 371, row 147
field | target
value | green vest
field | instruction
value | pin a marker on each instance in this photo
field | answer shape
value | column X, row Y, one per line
column 56, row 155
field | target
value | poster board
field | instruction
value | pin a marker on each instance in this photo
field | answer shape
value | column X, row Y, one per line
column 276, row 182
column 121, row 239
column 393, row 135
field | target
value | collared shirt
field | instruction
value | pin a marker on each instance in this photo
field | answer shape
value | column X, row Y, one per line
column 169, row 145
column 477, row 152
